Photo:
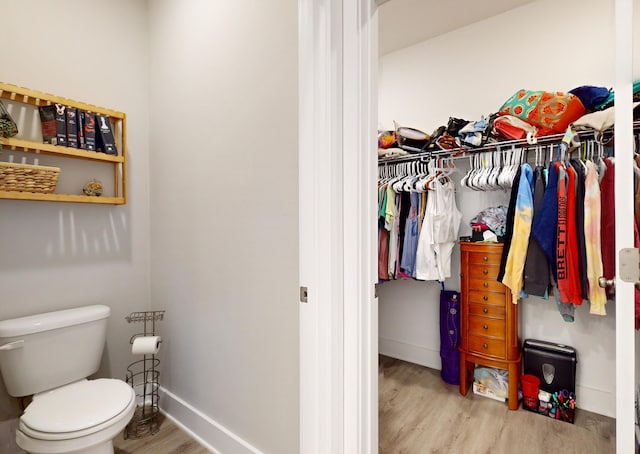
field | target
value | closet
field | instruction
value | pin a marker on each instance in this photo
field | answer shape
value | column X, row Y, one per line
column 466, row 73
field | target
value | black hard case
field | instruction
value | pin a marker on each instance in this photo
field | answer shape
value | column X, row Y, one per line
column 557, row 360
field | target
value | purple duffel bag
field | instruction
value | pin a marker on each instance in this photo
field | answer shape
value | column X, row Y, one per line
column 450, row 336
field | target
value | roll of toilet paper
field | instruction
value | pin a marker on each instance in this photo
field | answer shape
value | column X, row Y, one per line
column 146, row 345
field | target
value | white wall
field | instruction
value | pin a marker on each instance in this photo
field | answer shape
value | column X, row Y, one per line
column 224, row 217
column 59, row 255
column 471, row 72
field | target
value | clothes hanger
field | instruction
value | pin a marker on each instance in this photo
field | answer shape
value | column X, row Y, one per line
column 505, row 169
column 495, row 172
column 477, row 168
column 407, row 182
column 424, row 171
column 511, row 170
column 483, row 177
column 520, row 159
column 399, row 183
column 465, row 178
column 420, row 185
column 433, row 175
column 475, row 181
column 474, row 171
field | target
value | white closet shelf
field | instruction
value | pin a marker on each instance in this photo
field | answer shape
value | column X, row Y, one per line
column 465, row 152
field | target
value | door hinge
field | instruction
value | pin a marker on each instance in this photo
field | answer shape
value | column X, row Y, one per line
column 304, row 294
column 629, row 265
column 375, row 290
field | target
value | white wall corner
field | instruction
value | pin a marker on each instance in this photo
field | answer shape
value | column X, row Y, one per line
column 205, row 430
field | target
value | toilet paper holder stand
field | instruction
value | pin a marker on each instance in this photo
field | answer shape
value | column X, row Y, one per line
column 143, row 376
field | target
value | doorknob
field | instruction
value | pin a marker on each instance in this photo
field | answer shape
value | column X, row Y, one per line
column 629, row 260
column 604, row 282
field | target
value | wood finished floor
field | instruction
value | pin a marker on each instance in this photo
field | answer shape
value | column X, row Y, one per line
column 419, row 413
column 170, row 439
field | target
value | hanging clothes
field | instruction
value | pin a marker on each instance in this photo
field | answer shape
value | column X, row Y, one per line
column 637, row 234
column 637, row 291
column 514, row 266
column 402, row 199
column 410, row 248
column 392, row 223
column 405, row 207
column 383, row 235
column 636, row 168
column 596, row 294
column 580, row 171
column 446, row 230
column 567, row 243
column 536, row 267
column 545, row 222
column 608, row 224
column 426, row 264
column 508, row 235
column 566, row 308
column 439, row 232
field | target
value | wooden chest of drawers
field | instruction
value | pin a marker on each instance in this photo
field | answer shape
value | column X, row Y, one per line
column 488, row 318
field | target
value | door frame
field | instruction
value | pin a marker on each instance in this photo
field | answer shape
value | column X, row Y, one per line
column 337, row 164
column 338, row 249
column 624, row 195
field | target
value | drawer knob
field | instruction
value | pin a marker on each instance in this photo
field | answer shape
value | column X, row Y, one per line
column 485, row 346
column 485, row 271
column 486, row 298
column 485, row 310
column 485, row 326
column 486, row 284
column 485, row 258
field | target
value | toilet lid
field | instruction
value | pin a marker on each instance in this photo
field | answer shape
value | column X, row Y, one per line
column 77, row 406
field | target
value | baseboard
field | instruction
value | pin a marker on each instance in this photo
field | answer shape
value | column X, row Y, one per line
column 596, row 400
column 209, row 433
column 408, row 352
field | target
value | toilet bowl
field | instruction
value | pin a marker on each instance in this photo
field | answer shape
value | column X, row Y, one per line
column 79, row 418
column 49, row 356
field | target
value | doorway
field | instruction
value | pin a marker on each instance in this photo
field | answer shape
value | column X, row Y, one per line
column 339, row 322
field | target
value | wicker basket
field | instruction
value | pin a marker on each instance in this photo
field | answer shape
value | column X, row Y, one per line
column 28, row 178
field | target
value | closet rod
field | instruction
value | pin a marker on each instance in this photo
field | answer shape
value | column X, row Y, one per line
column 465, row 152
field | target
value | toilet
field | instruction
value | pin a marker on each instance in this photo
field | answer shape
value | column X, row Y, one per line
column 50, row 356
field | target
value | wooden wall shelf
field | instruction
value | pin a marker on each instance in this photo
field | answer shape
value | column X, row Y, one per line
column 75, row 198
column 23, row 95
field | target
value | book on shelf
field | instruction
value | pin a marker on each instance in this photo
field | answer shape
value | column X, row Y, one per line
column 61, row 125
column 89, row 126
column 49, row 124
column 104, row 134
column 82, row 144
column 53, row 119
column 72, row 127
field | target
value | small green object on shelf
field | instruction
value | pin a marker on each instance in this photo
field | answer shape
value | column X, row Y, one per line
column 93, row 188
column 8, row 127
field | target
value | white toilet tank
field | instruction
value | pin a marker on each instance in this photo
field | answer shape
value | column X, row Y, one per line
column 44, row 351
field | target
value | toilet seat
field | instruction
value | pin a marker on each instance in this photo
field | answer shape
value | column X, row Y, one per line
column 77, row 410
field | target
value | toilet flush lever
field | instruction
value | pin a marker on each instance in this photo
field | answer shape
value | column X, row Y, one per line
column 12, row 345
